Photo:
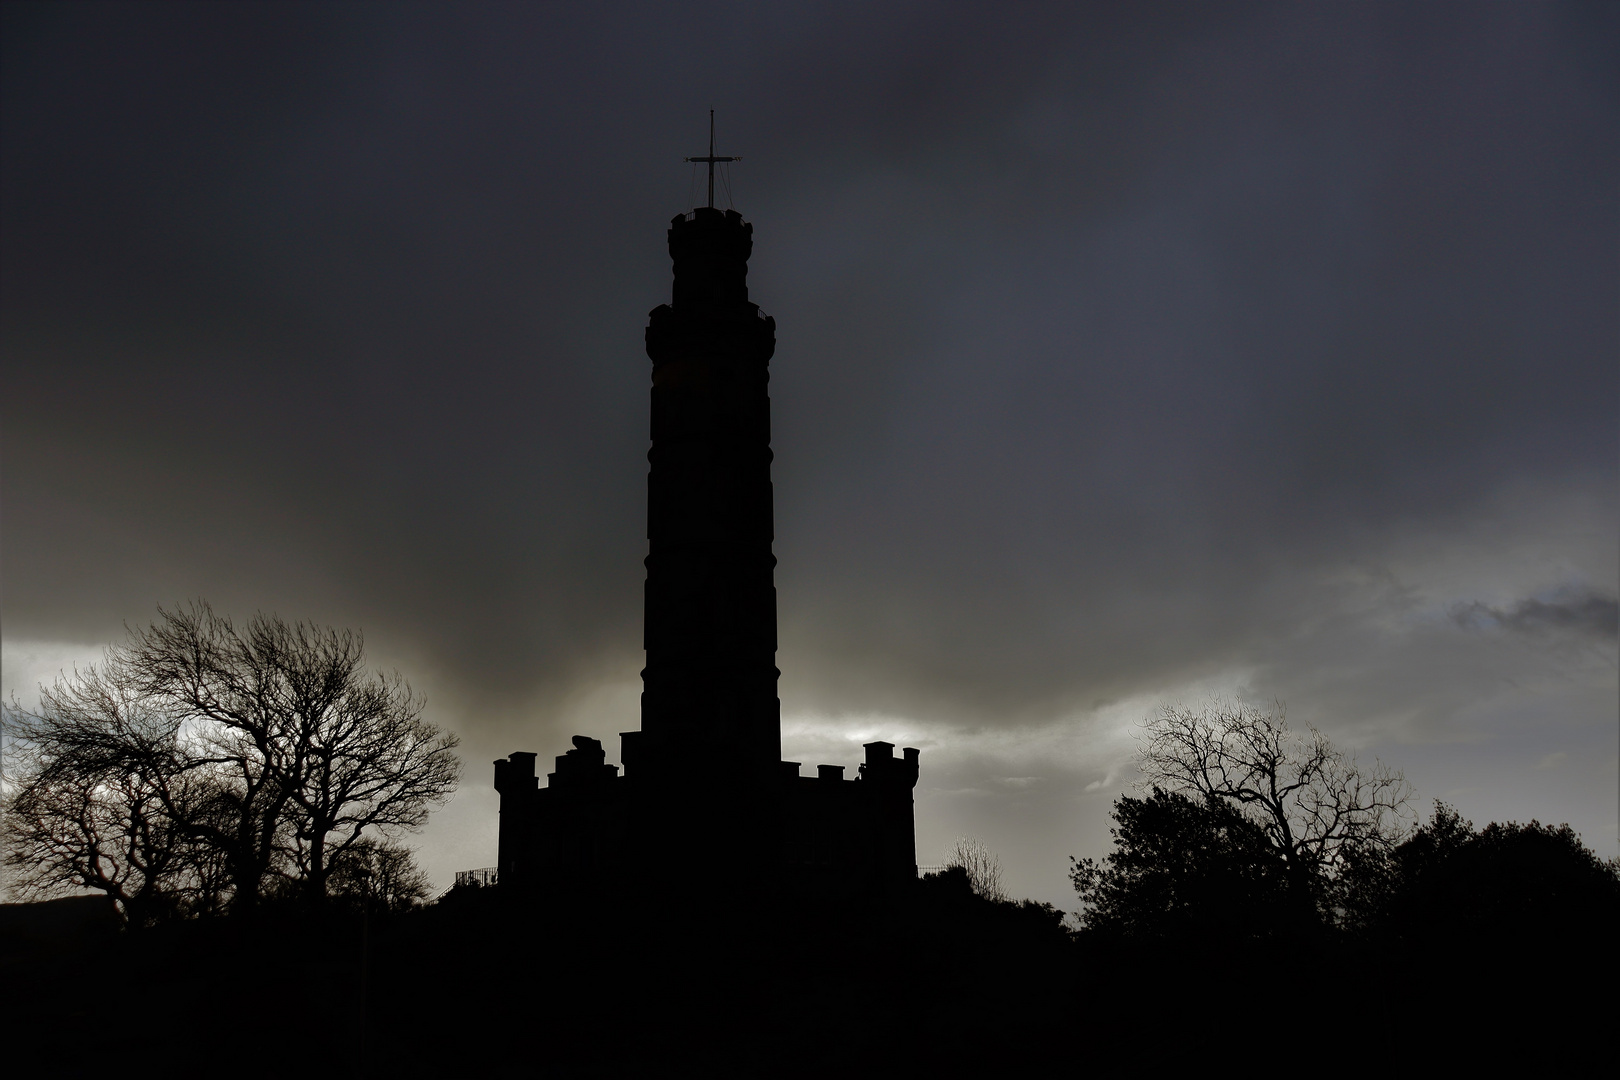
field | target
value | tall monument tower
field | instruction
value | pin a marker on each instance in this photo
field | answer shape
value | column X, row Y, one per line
column 709, row 687
column 704, row 797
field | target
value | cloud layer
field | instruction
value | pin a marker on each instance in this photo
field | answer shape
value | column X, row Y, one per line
column 1125, row 355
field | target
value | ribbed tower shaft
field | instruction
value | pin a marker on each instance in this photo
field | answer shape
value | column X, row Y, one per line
column 709, row 698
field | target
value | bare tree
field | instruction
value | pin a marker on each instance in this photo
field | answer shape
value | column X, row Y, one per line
column 240, row 727
column 1315, row 803
column 317, row 751
column 270, row 751
column 96, row 801
column 982, row 867
column 378, row 876
column 373, row 765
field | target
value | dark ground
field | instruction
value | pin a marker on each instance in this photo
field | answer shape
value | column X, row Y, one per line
column 935, row 982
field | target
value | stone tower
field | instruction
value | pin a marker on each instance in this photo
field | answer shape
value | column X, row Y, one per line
column 705, row 806
column 709, row 687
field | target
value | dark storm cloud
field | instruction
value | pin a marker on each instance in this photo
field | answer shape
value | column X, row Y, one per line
column 1357, row 281
column 1107, row 333
column 1587, row 614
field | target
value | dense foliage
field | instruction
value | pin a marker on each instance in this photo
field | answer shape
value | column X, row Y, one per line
column 1514, row 886
column 1184, row 868
column 1253, row 832
column 1318, row 807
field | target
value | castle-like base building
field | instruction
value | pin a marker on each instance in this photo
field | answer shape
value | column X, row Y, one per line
column 703, row 793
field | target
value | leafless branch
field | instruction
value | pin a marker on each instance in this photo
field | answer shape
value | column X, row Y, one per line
column 1313, row 800
column 261, row 754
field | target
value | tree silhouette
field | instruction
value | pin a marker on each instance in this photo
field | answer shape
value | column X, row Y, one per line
column 254, row 756
column 377, row 875
column 312, row 751
column 1315, row 804
column 981, row 866
column 99, row 800
column 1183, row 868
column 1511, row 889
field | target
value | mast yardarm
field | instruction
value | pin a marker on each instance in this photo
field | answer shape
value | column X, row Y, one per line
column 711, row 159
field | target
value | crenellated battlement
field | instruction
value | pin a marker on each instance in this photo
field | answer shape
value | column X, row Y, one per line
column 709, row 320
column 583, row 766
column 882, row 767
column 710, row 251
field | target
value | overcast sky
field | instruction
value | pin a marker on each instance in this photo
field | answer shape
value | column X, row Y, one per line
column 1128, row 355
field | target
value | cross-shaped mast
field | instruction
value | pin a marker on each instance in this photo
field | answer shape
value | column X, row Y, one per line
column 711, row 159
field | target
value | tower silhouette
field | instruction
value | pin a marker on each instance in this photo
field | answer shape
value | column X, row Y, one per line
column 705, row 797
column 710, row 632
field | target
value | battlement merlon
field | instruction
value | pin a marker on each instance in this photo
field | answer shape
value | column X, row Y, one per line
column 519, row 789
column 883, row 767
column 583, row 766
column 514, row 775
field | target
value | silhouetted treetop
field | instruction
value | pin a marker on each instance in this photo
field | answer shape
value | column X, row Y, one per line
column 1314, row 803
column 1183, row 867
column 1452, row 885
column 202, row 763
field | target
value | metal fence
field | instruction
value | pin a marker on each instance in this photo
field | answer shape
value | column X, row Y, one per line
column 478, row 879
